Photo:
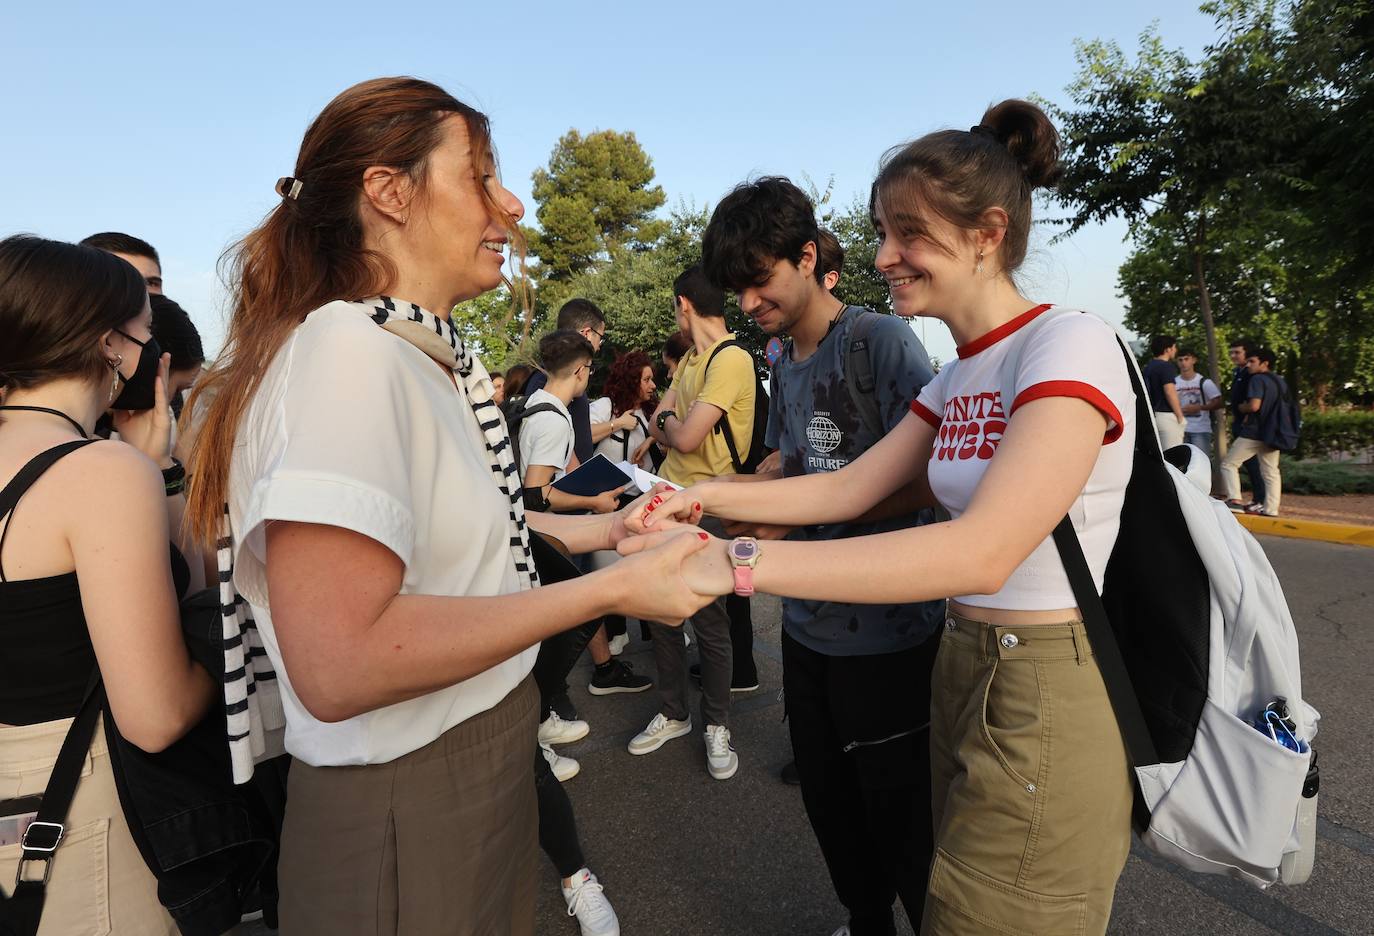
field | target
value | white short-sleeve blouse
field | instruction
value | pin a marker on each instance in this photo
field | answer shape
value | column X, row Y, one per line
column 355, row 427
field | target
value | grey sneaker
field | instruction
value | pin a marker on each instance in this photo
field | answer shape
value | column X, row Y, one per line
column 658, row 732
column 721, row 759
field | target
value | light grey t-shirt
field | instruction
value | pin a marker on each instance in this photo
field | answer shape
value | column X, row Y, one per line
column 546, row 438
column 813, row 421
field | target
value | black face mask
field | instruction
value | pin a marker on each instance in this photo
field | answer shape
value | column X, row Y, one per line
column 139, row 391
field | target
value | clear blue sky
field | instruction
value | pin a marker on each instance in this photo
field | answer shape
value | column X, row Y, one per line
column 173, row 121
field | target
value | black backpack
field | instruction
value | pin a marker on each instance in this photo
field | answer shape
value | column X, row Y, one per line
column 757, row 450
column 518, row 414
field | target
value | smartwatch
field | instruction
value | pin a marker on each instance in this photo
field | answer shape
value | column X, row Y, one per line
column 744, row 555
column 662, row 419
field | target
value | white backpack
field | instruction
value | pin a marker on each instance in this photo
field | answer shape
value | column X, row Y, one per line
column 1190, row 666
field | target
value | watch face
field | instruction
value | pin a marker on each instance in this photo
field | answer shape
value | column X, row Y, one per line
column 743, row 550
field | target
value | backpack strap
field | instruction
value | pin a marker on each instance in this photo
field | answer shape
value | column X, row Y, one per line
column 1125, row 703
column 25, row 478
column 722, row 425
column 859, row 377
column 24, row 908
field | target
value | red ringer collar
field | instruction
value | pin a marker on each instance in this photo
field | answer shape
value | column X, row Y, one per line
column 983, row 342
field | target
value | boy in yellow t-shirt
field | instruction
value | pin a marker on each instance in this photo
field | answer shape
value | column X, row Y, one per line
column 685, row 425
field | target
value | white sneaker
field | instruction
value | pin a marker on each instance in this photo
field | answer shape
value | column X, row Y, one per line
column 618, row 644
column 554, row 730
column 587, row 902
column 564, row 768
column 721, row 758
column 660, row 730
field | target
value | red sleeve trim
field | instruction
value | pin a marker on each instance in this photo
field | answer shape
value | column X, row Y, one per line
column 1082, row 391
column 924, row 412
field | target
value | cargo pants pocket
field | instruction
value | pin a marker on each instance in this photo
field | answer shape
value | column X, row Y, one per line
column 964, row 902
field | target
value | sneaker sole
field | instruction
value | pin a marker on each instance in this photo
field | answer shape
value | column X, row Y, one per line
column 566, row 738
column 568, row 776
column 724, row 774
column 662, row 740
column 613, row 690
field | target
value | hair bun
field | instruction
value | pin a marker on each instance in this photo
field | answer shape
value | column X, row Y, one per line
column 1027, row 133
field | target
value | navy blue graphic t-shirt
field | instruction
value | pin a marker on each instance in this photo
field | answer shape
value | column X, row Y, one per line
column 812, row 421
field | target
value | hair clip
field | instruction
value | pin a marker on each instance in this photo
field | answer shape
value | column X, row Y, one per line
column 288, row 187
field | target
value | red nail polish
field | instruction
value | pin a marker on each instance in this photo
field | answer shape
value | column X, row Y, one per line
column 696, row 506
column 705, row 536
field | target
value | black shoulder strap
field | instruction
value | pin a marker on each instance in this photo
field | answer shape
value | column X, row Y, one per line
column 31, row 472
column 858, row 373
column 535, row 410
column 24, row 479
column 722, row 425
column 1129, row 716
column 1117, row 679
column 24, row 908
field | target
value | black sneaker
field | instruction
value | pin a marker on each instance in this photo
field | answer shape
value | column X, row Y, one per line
column 789, row 775
column 561, row 704
column 736, row 685
column 617, row 676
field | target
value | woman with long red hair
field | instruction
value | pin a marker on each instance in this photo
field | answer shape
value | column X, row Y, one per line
column 629, row 398
column 377, row 532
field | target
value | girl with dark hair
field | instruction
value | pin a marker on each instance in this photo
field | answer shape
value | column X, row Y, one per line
column 85, row 580
column 1032, row 422
column 628, row 403
column 378, row 531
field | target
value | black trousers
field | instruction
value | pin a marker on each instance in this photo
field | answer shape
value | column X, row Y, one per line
column 861, row 735
column 744, row 671
column 557, row 825
column 557, row 657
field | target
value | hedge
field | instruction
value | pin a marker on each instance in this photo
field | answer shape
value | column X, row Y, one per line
column 1325, row 478
column 1326, row 434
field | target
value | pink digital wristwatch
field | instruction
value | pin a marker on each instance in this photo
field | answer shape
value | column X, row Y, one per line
column 744, row 555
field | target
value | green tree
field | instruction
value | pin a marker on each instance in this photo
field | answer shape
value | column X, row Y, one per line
column 595, row 199
column 1162, row 134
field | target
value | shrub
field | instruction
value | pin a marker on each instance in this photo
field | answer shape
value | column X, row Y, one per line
column 1326, row 434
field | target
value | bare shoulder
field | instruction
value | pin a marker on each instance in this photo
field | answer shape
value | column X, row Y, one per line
column 109, row 471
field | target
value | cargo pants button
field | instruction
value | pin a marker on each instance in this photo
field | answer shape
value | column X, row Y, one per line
column 1009, row 641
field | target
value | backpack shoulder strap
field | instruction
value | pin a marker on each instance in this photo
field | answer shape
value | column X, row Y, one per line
column 859, row 377
column 723, row 423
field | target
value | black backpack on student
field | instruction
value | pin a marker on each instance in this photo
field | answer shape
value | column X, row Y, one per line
column 518, row 414
column 757, row 450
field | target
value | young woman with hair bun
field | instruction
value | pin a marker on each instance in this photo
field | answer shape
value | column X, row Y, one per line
column 1033, row 421
column 378, row 534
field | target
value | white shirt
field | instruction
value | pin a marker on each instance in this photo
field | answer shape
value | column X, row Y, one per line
column 546, row 438
column 1074, row 355
column 1198, row 391
column 620, row 446
column 355, row 427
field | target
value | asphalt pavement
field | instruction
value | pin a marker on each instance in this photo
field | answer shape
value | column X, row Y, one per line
column 681, row 854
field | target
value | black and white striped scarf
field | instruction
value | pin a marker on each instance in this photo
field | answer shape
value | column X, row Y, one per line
column 252, row 703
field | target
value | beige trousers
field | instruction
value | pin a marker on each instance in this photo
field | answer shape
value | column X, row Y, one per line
column 1240, row 452
column 99, row 882
column 1031, row 789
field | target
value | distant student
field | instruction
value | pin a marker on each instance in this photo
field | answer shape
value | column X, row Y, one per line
column 134, row 251
column 1159, row 376
column 1239, row 353
column 1199, row 399
column 1265, row 390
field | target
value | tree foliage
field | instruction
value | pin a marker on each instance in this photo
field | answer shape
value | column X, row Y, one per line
column 594, row 199
column 1225, row 168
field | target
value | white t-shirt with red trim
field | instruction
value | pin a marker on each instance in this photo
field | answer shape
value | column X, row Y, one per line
column 1071, row 355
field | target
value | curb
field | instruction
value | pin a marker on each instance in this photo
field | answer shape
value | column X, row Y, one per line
column 1347, row 534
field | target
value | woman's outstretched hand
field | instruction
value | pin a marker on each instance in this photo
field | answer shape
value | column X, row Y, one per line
column 629, row 521
column 705, row 571
column 670, row 507
column 669, row 582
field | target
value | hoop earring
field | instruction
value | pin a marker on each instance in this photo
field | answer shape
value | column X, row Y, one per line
column 114, row 383
column 979, row 267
